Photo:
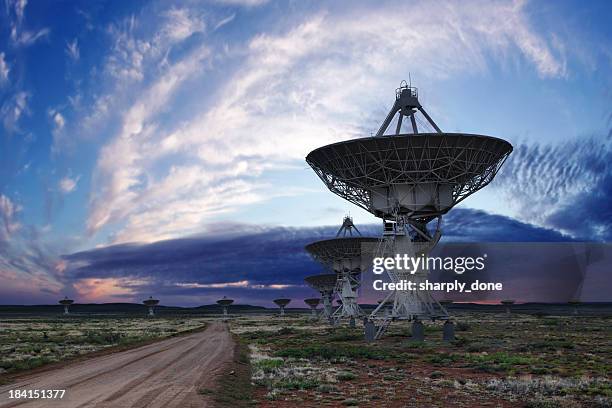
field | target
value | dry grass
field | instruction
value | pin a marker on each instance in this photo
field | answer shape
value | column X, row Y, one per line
column 521, row 361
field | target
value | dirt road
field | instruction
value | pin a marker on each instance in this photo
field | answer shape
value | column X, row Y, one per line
column 168, row 373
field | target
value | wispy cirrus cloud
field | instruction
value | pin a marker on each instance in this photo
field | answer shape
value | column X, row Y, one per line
column 242, row 3
column 8, row 219
column 72, row 50
column 4, row 69
column 567, row 187
column 27, row 38
column 26, row 264
column 20, row 36
column 283, row 99
column 13, row 109
column 68, row 184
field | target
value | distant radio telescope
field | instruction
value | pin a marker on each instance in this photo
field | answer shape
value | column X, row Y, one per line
column 224, row 303
column 507, row 304
column 409, row 180
column 446, row 303
column 66, row 303
column 151, row 303
column 574, row 303
column 313, row 303
column 325, row 284
column 282, row 303
column 345, row 256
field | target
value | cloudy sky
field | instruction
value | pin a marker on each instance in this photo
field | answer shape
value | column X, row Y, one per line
column 134, row 132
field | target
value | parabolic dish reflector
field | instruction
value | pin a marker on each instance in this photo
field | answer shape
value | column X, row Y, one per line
column 225, row 302
column 66, row 301
column 282, row 302
column 313, row 302
column 322, row 283
column 335, row 253
column 423, row 175
column 150, row 302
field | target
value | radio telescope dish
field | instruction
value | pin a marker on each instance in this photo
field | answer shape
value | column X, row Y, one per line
column 574, row 303
column 347, row 256
column 507, row 305
column 282, row 303
column 409, row 180
column 66, row 303
column 418, row 176
column 151, row 303
column 313, row 303
column 224, row 303
column 325, row 284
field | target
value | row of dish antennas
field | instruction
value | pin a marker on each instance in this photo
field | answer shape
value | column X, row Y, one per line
column 326, row 285
column 150, row 303
column 225, row 302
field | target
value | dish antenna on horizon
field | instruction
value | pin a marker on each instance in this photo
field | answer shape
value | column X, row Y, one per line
column 507, row 305
column 66, row 303
column 313, row 303
column 150, row 303
column 574, row 303
column 409, row 180
column 224, row 303
column 282, row 303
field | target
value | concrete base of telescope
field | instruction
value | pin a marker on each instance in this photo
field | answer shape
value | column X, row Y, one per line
column 448, row 331
column 369, row 330
column 418, row 331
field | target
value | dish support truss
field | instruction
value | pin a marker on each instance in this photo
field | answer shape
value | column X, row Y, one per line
column 151, row 311
column 346, row 286
column 414, row 240
column 326, row 286
column 327, row 299
column 406, row 104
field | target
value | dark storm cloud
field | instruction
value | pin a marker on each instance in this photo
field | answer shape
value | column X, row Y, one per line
column 464, row 224
column 275, row 256
column 566, row 186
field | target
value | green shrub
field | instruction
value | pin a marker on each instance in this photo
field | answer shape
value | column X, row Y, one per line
column 333, row 352
column 436, row 374
column 462, row 326
column 298, row 383
column 268, row 365
column 346, row 376
column 327, row 388
column 286, row 330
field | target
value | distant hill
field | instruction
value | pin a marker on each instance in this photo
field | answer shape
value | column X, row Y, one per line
column 121, row 309
column 133, row 309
